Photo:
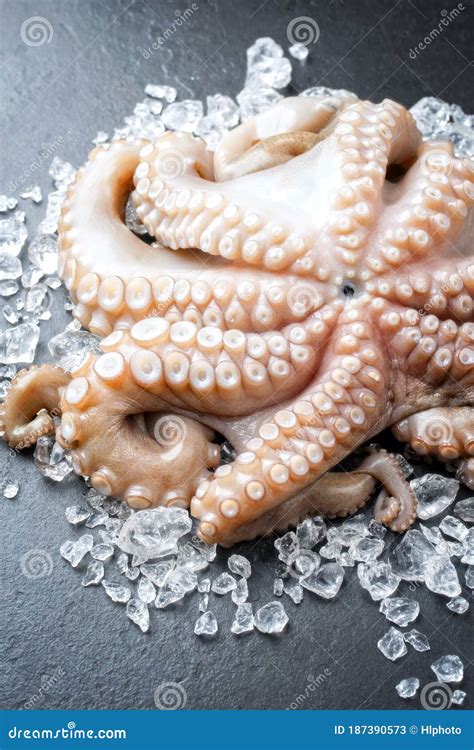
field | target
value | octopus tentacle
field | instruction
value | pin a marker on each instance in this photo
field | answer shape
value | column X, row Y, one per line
column 429, row 208
column 444, row 432
column 286, row 130
column 396, row 506
column 34, row 396
column 98, row 426
column 333, row 495
column 303, row 441
column 187, row 208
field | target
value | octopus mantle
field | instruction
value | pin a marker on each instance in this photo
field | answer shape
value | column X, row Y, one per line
column 312, row 284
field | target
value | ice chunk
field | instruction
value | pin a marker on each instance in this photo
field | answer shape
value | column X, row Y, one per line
column 346, row 560
column 51, row 459
column 271, row 618
column 157, row 572
column 77, row 514
column 299, row 51
column 278, row 587
column 448, row 668
column 206, row 625
column 211, row 130
column 465, row 509
column 294, row 590
column 204, row 586
column 434, row 493
column 255, row 99
column 243, row 620
column 305, row 562
column 62, row 172
column 239, row 565
column 400, row 610
column 74, row 552
column 10, row 267
column 43, row 253
column 154, row 533
column 183, row 116
column 324, row 582
column 94, row 573
column 19, row 344
column 409, row 557
column 224, row 109
column 178, row 583
column 208, row 551
column 191, row 557
column 287, row 546
column 459, row 605
column 378, row 579
column 441, row 577
column 417, row 640
column 168, row 93
column 8, row 288
column 116, row 591
column 469, row 576
column 408, row 687
column 99, row 517
column 146, row 591
column 377, row 529
column 10, row 488
column 223, row 584
column 137, row 612
column 240, row 594
column 366, row 549
column 392, row 645
column 13, row 234
column 438, row 120
column 331, row 551
column 350, row 531
column 453, row 527
column 7, row 203
column 204, row 602
column 458, row 697
column 432, row 533
column 102, row 552
column 71, row 348
column 310, row 531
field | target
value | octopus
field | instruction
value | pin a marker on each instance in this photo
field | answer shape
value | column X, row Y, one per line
column 310, row 285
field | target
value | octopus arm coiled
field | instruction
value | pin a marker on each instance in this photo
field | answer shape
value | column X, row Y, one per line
column 30, row 404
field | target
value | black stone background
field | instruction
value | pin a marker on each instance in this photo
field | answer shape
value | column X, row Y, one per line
column 88, row 78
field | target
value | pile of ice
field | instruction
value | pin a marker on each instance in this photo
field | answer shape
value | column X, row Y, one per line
column 152, row 559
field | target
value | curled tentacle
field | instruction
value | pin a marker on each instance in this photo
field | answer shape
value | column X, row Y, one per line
column 31, row 403
column 145, row 460
column 396, row 508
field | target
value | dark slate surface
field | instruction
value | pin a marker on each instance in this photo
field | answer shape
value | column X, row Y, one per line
column 88, row 77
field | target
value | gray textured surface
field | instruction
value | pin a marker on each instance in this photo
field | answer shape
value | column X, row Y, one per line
column 88, row 78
